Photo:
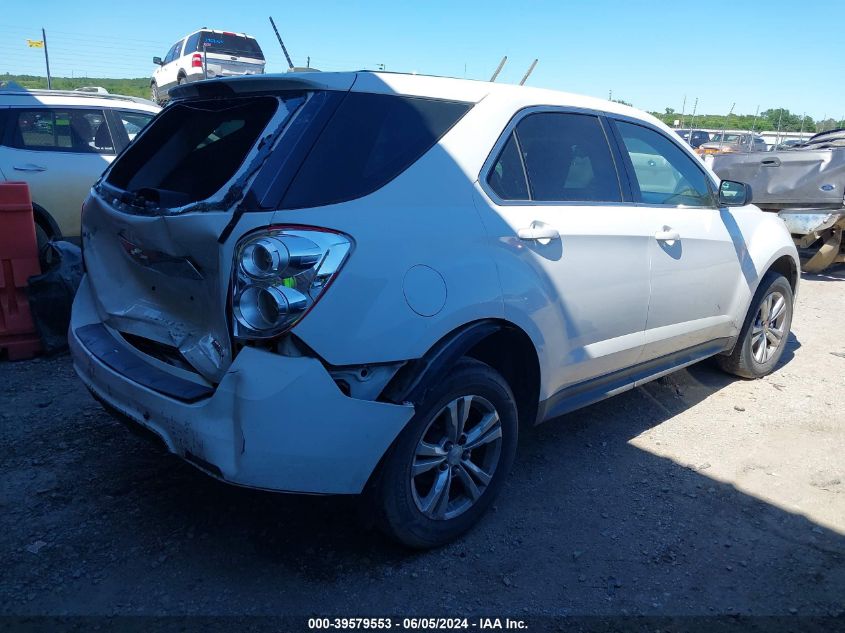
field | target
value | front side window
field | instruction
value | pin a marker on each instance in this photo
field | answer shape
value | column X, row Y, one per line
column 69, row 130
column 173, row 53
column 664, row 173
column 567, row 158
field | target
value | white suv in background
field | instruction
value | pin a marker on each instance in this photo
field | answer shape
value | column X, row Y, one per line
column 205, row 54
column 348, row 283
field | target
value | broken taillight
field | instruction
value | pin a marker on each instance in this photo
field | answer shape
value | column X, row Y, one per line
column 278, row 276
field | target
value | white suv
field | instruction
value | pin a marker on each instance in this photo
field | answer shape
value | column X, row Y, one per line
column 59, row 142
column 205, row 54
column 368, row 282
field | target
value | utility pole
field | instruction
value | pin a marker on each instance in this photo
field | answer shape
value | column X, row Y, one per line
column 725, row 126
column 801, row 134
column 754, row 123
column 47, row 59
column 777, row 135
column 528, row 72
column 692, row 123
column 683, row 111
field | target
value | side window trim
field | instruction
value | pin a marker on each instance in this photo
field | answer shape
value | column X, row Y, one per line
column 629, row 166
column 518, row 145
column 626, row 186
column 510, row 129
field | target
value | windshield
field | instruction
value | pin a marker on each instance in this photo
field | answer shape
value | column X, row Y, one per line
column 231, row 44
column 726, row 138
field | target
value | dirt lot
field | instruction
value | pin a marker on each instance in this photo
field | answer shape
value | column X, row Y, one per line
column 697, row 494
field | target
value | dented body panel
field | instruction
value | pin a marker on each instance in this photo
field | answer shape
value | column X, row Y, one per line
column 273, row 422
column 795, row 178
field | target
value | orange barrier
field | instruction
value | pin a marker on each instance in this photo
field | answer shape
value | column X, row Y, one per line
column 18, row 262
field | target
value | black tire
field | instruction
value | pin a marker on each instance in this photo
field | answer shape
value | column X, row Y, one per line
column 397, row 496
column 42, row 238
column 154, row 95
column 181, row 80
column 742, row 362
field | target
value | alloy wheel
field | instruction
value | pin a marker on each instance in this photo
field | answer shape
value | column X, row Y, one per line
column 456, row 457
column 767, row 331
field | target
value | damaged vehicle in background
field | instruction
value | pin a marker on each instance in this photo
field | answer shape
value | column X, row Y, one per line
column 366, row 283
column 804, row 185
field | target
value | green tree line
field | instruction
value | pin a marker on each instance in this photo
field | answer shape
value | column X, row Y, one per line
column 139, row 87
column 767, row 121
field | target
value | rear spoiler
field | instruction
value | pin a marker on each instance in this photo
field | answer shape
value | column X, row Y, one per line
column 258, row 84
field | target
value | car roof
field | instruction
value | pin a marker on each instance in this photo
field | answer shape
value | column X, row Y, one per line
column 207, row 30
column 413, row 85
column 74, row 98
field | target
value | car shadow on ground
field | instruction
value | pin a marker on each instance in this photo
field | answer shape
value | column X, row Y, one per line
column 587, row 523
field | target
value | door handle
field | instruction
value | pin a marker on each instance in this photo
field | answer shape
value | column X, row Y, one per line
column 29, row 167
column 667, row 235
column 771, row 162
column 539, row 233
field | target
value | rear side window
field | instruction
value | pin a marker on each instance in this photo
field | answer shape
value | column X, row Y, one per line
column 371, row 139
column 194, row 148
column 192, row 45
column 231, row 44
column 567, row 158
column 71, row 130
column 664, row 173
column 133, row 122
column 507, row 178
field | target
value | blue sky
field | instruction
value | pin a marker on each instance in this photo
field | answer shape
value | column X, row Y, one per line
column 770, row 54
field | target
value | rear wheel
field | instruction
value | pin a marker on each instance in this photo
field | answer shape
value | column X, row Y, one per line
column 764, row 334
column 42, row 238
column 451, row 461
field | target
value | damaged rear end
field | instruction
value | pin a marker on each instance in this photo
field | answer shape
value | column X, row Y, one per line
column 189, row 288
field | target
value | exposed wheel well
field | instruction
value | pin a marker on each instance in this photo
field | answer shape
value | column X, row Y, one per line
column 500, row 344
column 511, row 352
column 786, row 266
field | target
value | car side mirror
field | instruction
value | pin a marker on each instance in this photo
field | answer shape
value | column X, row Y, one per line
column 157, row 61
column 734, row 194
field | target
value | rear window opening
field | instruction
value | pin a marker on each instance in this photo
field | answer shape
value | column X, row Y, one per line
column 194, row 149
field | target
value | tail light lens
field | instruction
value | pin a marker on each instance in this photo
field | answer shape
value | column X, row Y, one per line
column 278, row 276
column 196, row 60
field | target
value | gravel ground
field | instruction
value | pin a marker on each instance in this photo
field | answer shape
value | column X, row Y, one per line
column 698, row 494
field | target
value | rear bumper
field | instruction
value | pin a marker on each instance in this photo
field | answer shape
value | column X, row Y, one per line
column 273, row 422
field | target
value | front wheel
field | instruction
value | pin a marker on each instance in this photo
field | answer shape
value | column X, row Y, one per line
column 764, row 334
column 451, row 460
column 156, row 98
